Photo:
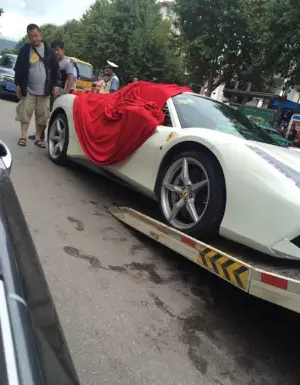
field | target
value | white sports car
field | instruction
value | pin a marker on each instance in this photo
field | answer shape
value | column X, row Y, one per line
column 211, row 171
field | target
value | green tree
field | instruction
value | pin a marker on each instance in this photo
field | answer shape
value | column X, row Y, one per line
column 279, row 37
column 217, row 40
column 9, row 50
column 71, row 35
column 94, row 40
column 133, row 34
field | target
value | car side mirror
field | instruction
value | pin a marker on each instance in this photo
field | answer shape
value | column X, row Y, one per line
column 5, row 156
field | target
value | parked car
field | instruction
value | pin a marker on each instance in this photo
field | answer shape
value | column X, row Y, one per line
column 33, row 349
column 212, row 171
column 7, row 75
column 274, row 135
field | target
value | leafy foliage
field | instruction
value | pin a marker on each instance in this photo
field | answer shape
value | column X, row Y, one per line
column 9, row 50
column 132, row 34
column 215, row 36
column 222, row 40
column 280, row 37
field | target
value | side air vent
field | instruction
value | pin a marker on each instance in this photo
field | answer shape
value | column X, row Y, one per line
column 296, row 241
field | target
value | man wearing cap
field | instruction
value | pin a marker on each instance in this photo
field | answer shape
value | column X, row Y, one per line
column 114, row 80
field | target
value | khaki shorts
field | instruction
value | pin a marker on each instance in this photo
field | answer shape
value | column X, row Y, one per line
column 33, row 103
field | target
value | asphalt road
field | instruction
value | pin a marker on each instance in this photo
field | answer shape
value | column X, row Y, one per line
column 135, row 313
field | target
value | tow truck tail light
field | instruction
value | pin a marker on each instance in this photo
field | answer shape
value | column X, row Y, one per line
column 272, row 280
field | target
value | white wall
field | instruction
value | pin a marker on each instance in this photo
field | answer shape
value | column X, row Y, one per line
column 293, row 95
column 167, row 12
column 217, row 94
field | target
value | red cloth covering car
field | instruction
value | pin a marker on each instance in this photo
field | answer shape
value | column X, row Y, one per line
column 110, row 127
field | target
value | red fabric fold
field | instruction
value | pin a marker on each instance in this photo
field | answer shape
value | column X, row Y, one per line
column 110, row 127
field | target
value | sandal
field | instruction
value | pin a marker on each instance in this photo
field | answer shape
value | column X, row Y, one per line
column 40, row 144
column 22, row 142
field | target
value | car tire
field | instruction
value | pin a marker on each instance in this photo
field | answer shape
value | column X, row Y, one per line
column 207, row 199
column 58, row 139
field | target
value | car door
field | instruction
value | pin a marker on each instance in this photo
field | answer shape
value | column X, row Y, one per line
column 138, row 169
column 33, row 349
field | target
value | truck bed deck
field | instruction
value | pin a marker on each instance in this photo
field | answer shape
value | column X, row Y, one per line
column 271, row 279
column 285, row 268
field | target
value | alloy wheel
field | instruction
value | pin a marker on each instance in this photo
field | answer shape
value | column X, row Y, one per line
column 185, row 193
column 57, row 138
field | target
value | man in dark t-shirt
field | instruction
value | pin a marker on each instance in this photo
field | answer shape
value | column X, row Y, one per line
column 36, row 76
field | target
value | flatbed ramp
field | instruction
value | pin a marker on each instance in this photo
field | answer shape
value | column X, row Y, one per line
column 276, row 281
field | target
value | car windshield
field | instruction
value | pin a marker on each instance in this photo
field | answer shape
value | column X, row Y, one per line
column 85, row 71
column 196, row 111
column 8, row 61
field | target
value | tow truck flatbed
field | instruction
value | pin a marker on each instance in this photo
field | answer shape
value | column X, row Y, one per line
column 273, row 280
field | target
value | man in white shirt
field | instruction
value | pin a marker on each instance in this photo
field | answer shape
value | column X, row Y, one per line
column 114, row 80
column 75, row 74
